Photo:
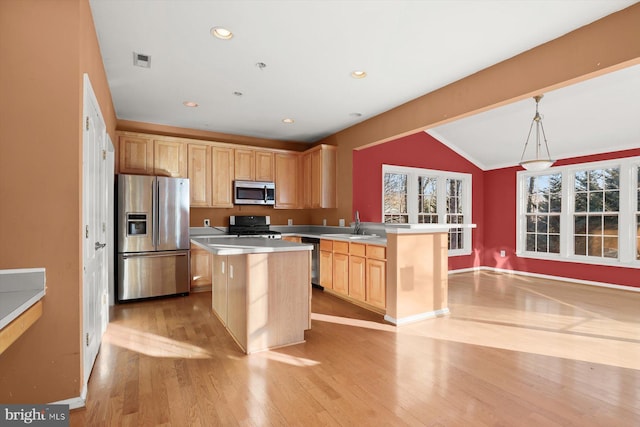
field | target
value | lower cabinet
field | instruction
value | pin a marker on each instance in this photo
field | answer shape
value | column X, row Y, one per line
column 355, row 270
column 228, row 294
column 200, row 269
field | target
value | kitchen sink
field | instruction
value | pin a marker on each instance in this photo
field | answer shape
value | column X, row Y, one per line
column 351, row 236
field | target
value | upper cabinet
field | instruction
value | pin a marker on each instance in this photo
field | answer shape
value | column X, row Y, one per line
column 222, row 174
column 303, row 180
column 287, row 180
column 254, row 165
column 136, row 154
column 200, row 174
column 169, row 158
column 265, row 165
column 144, row 155
column 245, row 165
column 319, row 177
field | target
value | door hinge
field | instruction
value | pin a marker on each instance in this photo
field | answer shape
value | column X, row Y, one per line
column 104, row 154
column 87, row 339
column 104, row 227
column 86, row 231
column 86, row 123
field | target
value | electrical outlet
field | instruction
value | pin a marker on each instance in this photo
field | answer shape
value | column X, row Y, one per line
column 289, row 222
column 503, row 254
column 207, row 223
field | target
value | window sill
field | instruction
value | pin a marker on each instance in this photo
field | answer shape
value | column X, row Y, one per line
column 580, row 260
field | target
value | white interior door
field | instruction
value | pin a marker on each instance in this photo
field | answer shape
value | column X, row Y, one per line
column 95, row 206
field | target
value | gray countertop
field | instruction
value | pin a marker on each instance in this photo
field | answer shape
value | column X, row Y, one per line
column 228, row 245
column 19, row 290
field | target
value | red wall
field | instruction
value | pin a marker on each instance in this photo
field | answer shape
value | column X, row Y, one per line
column 494, row 206
column 420, row 151
column 500, row 231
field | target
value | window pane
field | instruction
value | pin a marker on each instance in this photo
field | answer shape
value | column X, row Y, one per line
column 581, row 181
column 610, row 226
column 611, row 178
column 580, row 245
column 542, row 243
column 554, row 243
column 395, row 198
column 612, row 201
column 594, row 225
column 541, row 226
column 581, row 202
column 580, row 224
column 610, row 247
column 554, row 224
column 531, row 242
column 594, row 246
column 596, row 179
column 595, row 201
column 531, row 223
column 556, row 203
column 638, row 232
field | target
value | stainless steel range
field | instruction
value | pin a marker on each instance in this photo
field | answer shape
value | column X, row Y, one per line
column 252, row 226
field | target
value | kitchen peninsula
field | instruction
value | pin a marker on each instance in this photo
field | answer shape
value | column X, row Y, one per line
column 261, row 289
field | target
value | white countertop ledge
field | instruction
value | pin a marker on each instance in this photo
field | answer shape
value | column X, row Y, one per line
column 247, row 245
column 423, row 228
column 19, row 290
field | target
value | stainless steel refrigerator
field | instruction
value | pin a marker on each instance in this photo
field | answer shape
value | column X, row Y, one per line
column 153, row 236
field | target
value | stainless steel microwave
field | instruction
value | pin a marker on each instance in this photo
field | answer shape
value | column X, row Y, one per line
column 254, row 193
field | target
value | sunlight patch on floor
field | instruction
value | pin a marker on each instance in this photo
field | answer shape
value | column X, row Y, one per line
column 151, row 344
column 353, row 322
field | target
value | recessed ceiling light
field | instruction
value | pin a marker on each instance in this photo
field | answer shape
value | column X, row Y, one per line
column 237, row 93
column 221, row 33
column 358, row 74
column 287, row 121
column 261, row 65
column 355, row 114
column 190, row 104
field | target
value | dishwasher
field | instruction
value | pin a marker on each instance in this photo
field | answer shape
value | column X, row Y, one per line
column 315, row 259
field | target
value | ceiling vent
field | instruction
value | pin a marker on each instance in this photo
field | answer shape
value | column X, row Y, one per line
column 141, row 60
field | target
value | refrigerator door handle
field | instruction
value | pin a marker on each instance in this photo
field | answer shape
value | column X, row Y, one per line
column 156, row 212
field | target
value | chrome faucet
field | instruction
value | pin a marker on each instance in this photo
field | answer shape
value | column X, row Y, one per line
column 356, row 226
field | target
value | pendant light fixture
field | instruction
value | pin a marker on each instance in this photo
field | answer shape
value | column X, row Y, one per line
column 538, row 163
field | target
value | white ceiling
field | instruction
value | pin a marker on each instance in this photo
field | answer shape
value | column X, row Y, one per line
column 310, row 47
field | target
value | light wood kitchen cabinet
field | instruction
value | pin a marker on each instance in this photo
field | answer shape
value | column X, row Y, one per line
column 376, row 276
column 319, row 177
column 305, row 172
column 144, row 155
column 170, row 158
column 222, row 167
column 294, row 239
column 201, row 261
column 341, row 267
column 286, row 180
column 265, row 166
column 199, row 167
column 245, row 164
column 376, row 279
column 237, row 298
column 219, row 287
column 355, row 271
column 135, row 154
column 254, row 165
column 326, row 264
column 357, row 265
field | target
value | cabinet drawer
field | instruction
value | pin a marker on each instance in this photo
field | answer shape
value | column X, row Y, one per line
column 341, row 247
column 326, row 245
column 357, row 249
column 378, row 252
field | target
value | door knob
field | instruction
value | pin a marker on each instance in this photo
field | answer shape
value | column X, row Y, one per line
column 100, row 245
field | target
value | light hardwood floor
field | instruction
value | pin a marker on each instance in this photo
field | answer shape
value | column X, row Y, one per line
column 515, row 351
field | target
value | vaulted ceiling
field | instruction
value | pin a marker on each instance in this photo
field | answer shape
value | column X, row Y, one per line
column 294, row 59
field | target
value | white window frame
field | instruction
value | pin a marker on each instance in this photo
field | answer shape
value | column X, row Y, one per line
column 627, row 239
column 442, row 176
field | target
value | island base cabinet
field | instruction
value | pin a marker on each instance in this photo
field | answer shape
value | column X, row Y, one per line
column 263, row 299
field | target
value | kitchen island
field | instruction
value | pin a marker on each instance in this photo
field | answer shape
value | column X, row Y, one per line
column 261, row 289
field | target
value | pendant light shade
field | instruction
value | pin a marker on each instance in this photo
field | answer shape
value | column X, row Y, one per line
column 539, row 162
